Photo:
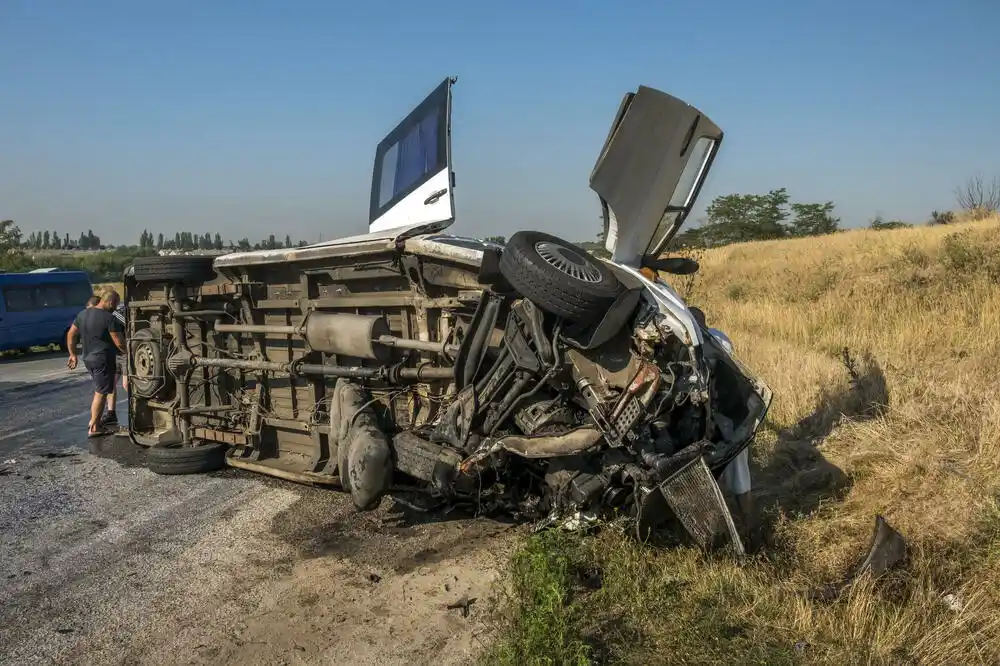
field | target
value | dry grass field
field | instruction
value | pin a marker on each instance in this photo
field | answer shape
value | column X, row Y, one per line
column 905, row 423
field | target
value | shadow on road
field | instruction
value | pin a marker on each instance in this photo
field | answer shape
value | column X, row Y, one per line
column 118, row 448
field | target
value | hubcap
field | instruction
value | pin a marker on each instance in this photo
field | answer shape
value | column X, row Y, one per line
column 569, row 262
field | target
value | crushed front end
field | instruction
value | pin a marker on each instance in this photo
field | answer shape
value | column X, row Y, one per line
column 620, row 419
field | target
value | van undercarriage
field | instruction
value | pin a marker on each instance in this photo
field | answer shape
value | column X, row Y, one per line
column 418, row 367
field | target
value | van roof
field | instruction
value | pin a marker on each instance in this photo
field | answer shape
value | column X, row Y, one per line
column 58, row 277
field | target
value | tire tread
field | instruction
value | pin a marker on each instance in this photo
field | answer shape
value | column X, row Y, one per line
column 187, row 459
column 174, row 269
column 550, row 289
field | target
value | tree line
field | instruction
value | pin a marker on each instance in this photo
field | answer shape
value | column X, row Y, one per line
column 45, row 240
column 738, row 218
column 181, row 240
column 186, row 241
column 104, row 266
column 18, row 253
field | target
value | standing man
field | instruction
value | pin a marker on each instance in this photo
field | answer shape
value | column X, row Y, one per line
column 110, row 416
column 103, row 339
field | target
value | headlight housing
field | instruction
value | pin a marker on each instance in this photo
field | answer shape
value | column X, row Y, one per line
column 723, row 339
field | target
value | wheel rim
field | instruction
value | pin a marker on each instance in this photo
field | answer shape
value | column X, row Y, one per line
column 568, row 262
column 144, row 361
column 147, row 373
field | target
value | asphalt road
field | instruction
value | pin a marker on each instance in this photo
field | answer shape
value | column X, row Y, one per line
column 95, row 550
column 103, row 562
column 40, row 399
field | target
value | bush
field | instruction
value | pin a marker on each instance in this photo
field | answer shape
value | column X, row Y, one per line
column 946, row 217
column 879, row 224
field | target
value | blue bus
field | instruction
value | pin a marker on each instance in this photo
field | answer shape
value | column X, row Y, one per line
column 37, row 308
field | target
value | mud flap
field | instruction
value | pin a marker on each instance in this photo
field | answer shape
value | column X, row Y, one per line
column 696, row 499
column 363, row 455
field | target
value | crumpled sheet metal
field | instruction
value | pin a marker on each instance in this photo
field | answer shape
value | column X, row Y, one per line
column 886, row 550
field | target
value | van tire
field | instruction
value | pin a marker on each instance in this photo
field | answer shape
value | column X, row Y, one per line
column 174, row 269
column 170, row 460
column 580, row 292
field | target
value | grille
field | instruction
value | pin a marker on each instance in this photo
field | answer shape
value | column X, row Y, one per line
column 696, row 500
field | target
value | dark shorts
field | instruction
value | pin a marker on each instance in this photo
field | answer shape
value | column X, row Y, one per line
column 102, row 371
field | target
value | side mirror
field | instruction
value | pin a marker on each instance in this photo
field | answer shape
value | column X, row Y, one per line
column 675, row 265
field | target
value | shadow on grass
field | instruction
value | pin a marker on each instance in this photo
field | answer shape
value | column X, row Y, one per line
column 797, row 478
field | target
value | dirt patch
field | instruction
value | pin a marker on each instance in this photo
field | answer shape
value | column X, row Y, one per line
column 395, row 538
column 336, row 611
column 336, row 586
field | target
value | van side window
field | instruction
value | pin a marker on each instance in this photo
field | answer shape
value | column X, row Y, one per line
column 19, row 299
column 79, row 293
column 409, row 160
column 52, row 296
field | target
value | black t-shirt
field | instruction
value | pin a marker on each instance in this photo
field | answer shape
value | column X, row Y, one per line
column 96, row 325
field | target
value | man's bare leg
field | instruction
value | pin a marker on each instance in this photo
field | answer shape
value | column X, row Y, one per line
column 96, row 410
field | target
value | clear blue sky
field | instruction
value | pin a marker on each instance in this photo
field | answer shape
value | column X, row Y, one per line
column 256, row 117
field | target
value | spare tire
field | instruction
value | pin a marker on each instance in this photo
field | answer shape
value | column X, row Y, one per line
column 186, row 459
column 191, row 269
column 558, row 276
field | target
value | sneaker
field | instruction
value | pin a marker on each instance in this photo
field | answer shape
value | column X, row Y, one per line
column 109, row 419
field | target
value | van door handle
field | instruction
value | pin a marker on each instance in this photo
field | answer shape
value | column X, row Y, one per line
column 434, row 197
